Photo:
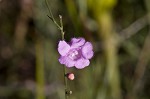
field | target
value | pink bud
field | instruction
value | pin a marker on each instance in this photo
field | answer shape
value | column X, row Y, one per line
column 70, row 76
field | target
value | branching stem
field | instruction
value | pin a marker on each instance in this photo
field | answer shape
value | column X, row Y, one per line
column 60, row 27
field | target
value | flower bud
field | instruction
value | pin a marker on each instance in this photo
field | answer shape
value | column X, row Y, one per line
column 69, row 92
column 70, row 76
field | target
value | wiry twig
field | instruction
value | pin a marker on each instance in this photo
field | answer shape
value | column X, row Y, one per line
column 51, row 17
column 143, row 58
column 60, row 27
column 142, row 63
column 133, row 28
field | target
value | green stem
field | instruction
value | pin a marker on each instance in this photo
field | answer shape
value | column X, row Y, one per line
column 60, row 27
column 65, row 79
column 65, row 82
column 51, row 15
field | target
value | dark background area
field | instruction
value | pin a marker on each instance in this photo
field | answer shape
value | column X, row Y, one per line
column 118, row 30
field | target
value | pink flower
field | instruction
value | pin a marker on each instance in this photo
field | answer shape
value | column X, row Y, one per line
column 75, row 53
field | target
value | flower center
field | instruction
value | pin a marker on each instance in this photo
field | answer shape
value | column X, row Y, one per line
column 73, row 54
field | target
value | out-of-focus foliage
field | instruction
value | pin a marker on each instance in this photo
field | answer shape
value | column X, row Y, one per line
column 118, row 29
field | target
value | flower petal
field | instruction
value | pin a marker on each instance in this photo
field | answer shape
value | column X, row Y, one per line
column 63, row 48
column 81, row 63
column 77, row 42
column 66, row 61
column 87, row 50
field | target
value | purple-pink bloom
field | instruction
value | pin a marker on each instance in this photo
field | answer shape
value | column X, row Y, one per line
column 75, row 53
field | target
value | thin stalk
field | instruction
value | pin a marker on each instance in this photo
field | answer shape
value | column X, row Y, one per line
column 66, row 83
column 60, row 27
column 51, row 15
column 65, row 79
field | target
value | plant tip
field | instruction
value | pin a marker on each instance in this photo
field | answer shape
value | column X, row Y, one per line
column 60, row 16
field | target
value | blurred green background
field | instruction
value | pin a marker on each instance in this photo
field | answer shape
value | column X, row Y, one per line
column 118, row 29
